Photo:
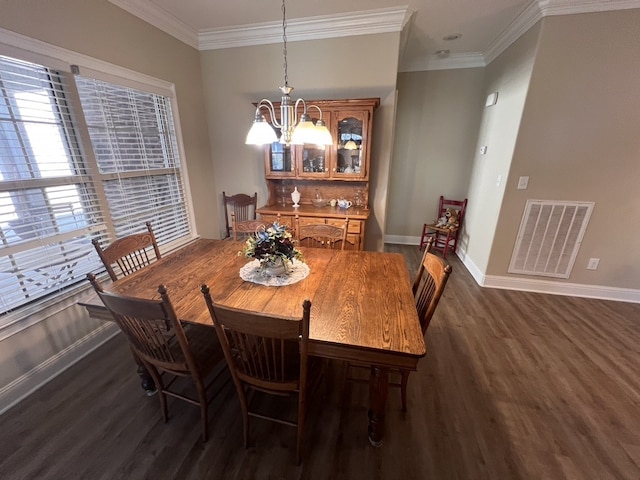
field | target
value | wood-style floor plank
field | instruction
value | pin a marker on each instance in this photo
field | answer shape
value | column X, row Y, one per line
column 515, row 385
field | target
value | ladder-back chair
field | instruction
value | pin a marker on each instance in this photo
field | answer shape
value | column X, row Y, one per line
column 242, row 205
column 165, row 347
column 128, row 254
column 266, row 354
column 445, row 237
column 322, row 235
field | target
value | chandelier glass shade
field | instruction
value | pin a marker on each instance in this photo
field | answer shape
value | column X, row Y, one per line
column 293, row 130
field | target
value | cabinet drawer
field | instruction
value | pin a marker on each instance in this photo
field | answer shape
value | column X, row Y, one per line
column 355, row 226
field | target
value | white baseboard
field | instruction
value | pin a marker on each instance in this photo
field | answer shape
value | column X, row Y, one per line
column 23, row 386
column 532, row 285
column 560, row 288
column 402, row 240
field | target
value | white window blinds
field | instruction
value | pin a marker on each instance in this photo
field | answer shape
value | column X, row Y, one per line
column 48, row 207
column 57, row 194
column 134, row 143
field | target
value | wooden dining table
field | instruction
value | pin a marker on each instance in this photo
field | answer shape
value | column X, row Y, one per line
column 362, row 306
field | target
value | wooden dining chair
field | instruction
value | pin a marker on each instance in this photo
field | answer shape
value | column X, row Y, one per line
column 242, row 205
column 322, row 235
column 428, row 287
column 128, row 254
column 244, row 228
column 166, row 348
column 445, row 237
column 268, row 354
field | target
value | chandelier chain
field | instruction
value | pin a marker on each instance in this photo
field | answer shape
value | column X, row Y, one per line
column 284, row 43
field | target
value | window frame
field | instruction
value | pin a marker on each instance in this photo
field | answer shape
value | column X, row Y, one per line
column 66, row 62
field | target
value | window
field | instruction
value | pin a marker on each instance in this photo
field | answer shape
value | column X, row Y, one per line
column 57, row 193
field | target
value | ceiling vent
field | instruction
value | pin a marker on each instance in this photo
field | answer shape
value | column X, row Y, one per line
column 549, row 238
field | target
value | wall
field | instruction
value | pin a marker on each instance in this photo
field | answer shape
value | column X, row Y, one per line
column 509, row 75
column 30, row 351
column 439, row 115
column 349, row 67
column 579, row 140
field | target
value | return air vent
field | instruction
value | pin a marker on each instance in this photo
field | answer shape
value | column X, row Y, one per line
column 549, row 238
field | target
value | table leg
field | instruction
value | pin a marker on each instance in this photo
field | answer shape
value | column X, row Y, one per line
column 147, row 382
column 378, row 388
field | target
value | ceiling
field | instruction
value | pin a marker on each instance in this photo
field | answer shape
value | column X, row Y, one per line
column 486, row 27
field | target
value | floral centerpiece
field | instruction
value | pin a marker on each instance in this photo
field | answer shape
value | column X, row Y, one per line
column 273, row 247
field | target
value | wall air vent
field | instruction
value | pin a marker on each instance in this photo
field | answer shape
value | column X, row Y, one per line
column 549, row 238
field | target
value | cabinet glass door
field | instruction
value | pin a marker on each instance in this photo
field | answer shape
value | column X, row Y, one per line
column 314, row 160
column 279, row 161
column 350, row 145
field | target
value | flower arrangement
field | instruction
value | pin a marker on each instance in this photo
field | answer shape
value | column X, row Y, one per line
column 271, row 246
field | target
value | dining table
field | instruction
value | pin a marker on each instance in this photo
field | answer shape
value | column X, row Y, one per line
column 362, row 305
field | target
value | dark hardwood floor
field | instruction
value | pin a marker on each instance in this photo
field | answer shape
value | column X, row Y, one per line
column 515, row 385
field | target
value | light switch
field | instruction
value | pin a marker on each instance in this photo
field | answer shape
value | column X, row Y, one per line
column 483, row 150
column 498, row 180
column 523, row 183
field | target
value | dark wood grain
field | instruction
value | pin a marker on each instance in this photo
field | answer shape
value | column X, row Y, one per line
column 363, row 304
column 515, row 385
column 360, row 299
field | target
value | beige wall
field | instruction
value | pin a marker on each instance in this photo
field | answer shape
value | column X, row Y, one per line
column 351, row 67
column 579, row 140
column 508, row 75
column 99, row 29
column 435, row 138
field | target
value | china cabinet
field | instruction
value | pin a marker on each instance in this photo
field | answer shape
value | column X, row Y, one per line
column 323, row 173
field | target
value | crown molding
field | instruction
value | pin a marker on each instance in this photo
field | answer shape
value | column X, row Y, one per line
column 538, row 9
column 157, row 17
column 455, row 61
column 384, row 20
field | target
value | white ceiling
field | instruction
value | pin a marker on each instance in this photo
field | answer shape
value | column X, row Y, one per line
column 487, row 26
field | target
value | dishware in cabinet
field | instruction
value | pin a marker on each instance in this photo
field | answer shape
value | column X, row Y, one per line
column 352, row 142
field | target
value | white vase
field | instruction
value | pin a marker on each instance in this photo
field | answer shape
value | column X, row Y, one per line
column 295, row 196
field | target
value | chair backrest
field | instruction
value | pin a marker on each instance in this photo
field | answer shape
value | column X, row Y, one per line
column 459, row 205
column 269, row 353
column 130, row 253
column 321, row 235
column 429, row 285
column 242, row 205
column 152, row 328
column 244, row 228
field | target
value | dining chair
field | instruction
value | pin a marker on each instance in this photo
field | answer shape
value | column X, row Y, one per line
column 322, row 235
column 445, row 236
column 166, row 348
column 128, row 254
column 244, row 228
column 242, row 205
column 428, row 287
column 266, row 354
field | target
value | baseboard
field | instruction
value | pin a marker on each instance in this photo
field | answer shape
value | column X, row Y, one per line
column 401, row 240
column 532, row 285
column 23, row 386
column 560, row 288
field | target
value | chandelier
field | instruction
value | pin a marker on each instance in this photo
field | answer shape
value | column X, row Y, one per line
column 292, row 130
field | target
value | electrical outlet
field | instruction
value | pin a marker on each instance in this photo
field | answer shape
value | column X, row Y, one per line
column 593, row 264
column 523, row 183
column 498, row 180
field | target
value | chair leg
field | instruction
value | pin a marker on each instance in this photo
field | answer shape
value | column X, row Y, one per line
column 157, row 379
column 204, row 408
column 424, row 231
column 403, row 388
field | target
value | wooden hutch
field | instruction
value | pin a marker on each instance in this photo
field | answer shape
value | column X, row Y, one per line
column 338, row 171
